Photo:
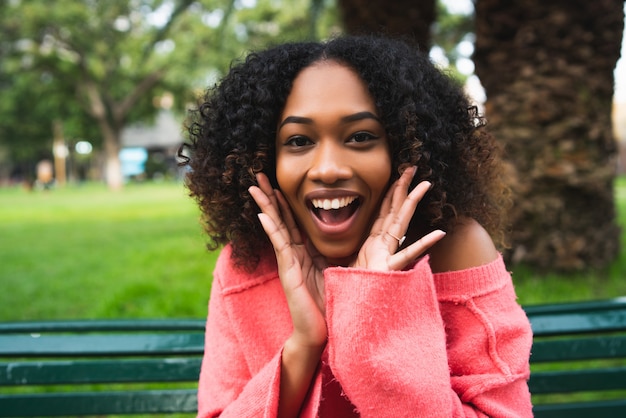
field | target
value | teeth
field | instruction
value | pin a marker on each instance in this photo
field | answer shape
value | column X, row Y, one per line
column 336, row 203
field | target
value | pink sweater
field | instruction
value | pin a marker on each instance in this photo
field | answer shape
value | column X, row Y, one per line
column 405, row 343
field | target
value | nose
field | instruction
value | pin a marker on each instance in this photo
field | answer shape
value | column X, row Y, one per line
column 330, row 163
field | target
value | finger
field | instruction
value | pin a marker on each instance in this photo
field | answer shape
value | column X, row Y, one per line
column 398, row 195
column 289, row 270
column 272, row 212
column 264, row 202
column 265, row 197
column 279, row 241
column 287, row 216
column 266, row 187
column 409, row 205
column 401, row 220
column 385, row 207
column 402, row 258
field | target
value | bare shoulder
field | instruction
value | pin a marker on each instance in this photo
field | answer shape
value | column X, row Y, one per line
column 468, row 246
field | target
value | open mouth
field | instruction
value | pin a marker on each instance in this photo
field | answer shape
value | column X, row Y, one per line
column 336, row 210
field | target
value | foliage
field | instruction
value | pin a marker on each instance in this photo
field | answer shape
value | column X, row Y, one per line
column 450, row 29
column 100, row 65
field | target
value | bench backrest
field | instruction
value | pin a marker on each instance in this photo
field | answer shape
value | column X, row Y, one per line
column 61, row 358
column 579, row 351
column 94, row 367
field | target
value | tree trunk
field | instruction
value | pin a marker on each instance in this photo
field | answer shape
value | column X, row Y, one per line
column 111, row 119
column 547, row 68
column 408, row 18
column 113, row 166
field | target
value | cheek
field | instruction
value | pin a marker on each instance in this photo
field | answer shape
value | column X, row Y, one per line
column 378, row 174
column 288, row 174
column 282, row 172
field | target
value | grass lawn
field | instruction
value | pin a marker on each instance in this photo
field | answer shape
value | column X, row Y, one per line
column 85, row 252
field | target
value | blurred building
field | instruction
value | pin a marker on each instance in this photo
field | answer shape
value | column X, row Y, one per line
column 159, row 141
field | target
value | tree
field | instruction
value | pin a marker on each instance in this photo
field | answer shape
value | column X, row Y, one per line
column 407, row 18
column 107, row 51
column 547, row 68
column 111, row 59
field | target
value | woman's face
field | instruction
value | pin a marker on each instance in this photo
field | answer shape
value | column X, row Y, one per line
column 332, row 159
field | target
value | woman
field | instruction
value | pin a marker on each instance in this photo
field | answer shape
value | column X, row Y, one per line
column 329, row 172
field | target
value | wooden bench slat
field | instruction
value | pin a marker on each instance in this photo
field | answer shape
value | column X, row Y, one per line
column 569, row 307
column 98, row 403
column 90, row 325
column 605, row 321
column 100, row 344
column 20, row 373
column 582, row 317
column 567, row 381
column 583, row 348
column 600, row 409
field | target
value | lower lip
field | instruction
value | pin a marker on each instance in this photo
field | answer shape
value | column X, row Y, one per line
column 335, row 229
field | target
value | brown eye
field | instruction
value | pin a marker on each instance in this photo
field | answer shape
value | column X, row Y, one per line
column 298, row 141
column 362, row 137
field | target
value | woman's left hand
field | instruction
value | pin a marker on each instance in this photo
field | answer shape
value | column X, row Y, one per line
column 380, row 249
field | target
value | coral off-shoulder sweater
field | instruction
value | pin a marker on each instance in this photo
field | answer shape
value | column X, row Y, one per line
column 400, row 344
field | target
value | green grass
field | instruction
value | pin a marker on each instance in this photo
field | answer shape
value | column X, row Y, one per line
column 86, row 252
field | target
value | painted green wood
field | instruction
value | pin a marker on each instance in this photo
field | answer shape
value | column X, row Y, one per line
column 100, row 344
column 134, row 351
column 604, row 409
column 573, row 318
column 567, row 381
column 98, row 403
column 48, row 372
column 89, row 325
column 583, row 348
column 105, row 352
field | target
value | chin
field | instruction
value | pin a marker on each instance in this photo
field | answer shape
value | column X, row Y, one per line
column 338, row 256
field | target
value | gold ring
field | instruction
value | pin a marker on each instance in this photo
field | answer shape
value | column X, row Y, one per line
column 400, row 240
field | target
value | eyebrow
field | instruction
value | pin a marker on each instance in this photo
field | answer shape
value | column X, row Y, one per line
column 346, row 119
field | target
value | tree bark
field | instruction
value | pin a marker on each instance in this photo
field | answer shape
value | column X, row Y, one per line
column 547, row 68
column 408, row 18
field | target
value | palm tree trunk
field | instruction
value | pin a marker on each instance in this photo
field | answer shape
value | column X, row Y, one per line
column 547, row 68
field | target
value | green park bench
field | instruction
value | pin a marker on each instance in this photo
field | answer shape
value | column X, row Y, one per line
column 101, row 367
column 578, row 360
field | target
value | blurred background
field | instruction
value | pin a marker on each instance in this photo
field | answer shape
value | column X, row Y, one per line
column 95, row 221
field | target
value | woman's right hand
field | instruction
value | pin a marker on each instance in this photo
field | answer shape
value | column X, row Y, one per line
column 300, row 267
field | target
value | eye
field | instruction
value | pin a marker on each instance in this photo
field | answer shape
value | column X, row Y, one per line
column 298, row 141
column 362, row 137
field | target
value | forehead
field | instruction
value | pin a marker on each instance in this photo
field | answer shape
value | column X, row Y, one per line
column 329, row 84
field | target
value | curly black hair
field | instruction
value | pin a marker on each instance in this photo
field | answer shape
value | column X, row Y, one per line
column 430, row 123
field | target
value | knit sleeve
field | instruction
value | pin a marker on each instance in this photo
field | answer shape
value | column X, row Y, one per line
column 389, row 349
column 227, row 387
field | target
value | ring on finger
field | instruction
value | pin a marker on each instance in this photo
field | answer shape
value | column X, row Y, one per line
column 400, row 240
